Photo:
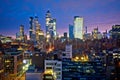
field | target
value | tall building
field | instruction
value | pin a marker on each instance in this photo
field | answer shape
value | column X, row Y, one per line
column 21, row 32
column 31, row 31
column 71, row 32
column 78, row 27
column 37, row 28
column 115, row 32
column 50, row 26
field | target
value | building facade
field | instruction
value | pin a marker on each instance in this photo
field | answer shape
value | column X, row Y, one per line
column 78, row 27
column 56, row 66
column 14, row 64
column 50, row 26
column 68, row 52
column 115, row 32
column 31, row 24
column 71, row 31
column 21, row 32
column 76, row 70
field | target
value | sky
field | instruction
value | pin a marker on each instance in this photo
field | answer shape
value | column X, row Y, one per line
column 96, row 13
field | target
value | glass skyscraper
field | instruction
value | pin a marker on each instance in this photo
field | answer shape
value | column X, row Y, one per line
column 78, row 27
column 71, row 33
column 50, row 25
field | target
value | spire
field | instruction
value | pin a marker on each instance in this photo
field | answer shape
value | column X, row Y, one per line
column 48, row 14
column 48, row 11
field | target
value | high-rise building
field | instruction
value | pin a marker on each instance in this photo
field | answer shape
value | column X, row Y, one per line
column 71, row 32
column 31, row 31
column 78, row 27
column 50, row 26
column 21, row 32
column 37, row 28
column 115, row 31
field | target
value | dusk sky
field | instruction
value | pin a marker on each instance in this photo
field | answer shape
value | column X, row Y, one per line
column 101, row 13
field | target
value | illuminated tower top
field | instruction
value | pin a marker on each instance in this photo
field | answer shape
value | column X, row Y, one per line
column 78, row 27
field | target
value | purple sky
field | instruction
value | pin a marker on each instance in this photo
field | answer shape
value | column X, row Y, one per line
column 101, row 13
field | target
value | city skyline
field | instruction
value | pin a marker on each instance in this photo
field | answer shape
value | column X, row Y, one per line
column 99, row 13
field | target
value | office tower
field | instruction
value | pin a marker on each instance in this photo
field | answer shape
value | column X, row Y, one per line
column 71, row 33
column 21, row 32
column 31, row 31
column 115, row 32
column 78, row 27
column 37, row 28
column 50, row 26
column 39, row 34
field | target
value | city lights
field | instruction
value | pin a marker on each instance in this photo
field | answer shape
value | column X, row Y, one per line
column 72, row 40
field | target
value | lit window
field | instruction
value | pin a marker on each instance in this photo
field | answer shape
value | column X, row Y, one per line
column 36, row 55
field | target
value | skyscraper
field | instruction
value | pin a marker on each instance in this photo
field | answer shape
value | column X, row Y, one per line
column 115, row 31
column 78, row 27
column 31, row 31
column 50, row 25
column 71, row 34
column 37, row 28
column 22, row 32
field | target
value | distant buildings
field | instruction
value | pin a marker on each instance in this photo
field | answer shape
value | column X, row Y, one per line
column 71, row 31
column 115, row 31
column 36, row 34
column 20, row 36
column 31, row 24
column 50, row 26
column 78, row 27
column 21, row 32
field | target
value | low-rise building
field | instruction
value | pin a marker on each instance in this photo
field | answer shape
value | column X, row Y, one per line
column 56, row 66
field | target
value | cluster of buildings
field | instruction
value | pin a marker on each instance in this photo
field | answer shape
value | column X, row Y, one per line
column 81, row 56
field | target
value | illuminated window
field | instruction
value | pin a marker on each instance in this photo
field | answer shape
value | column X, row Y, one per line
column 37, row 55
